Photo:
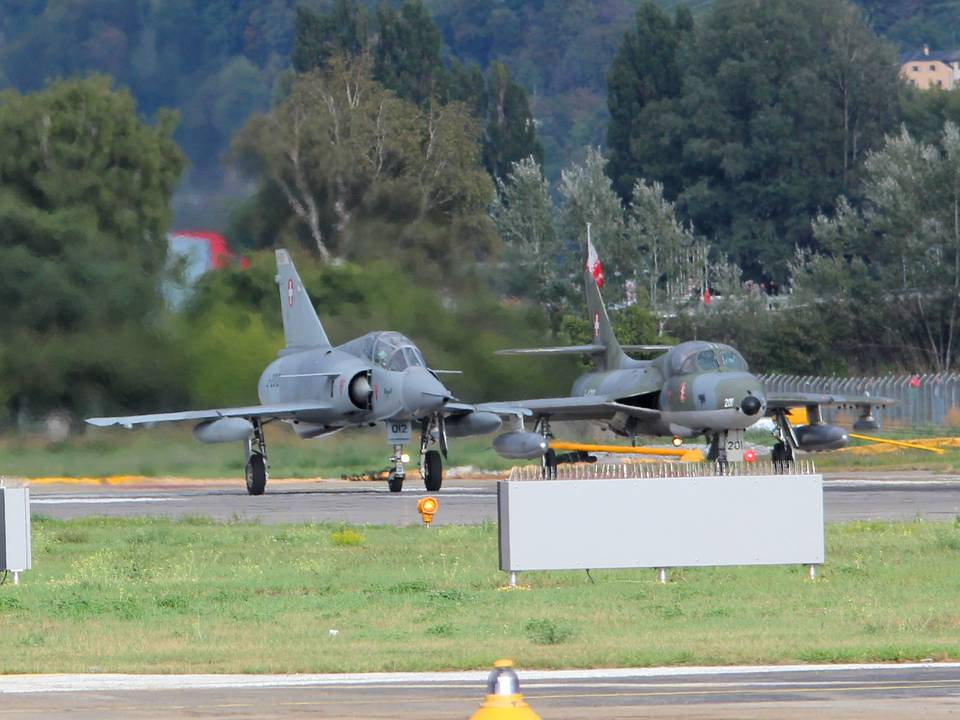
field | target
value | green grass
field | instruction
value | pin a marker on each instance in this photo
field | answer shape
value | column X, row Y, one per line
column 154, row 595
column 172, row 451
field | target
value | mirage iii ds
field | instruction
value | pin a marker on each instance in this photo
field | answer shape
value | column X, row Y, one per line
column 320, row 389
column 692, row 389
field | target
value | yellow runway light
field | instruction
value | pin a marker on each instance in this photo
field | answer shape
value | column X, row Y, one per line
column 504, row 699
column 427, row 507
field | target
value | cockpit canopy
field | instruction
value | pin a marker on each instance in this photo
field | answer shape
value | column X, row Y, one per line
column 389, row 350
column 694, row 357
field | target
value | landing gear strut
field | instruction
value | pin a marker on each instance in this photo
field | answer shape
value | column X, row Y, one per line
column 431, row 463
column 782, row 453
column 717, row 452
column 549, row 459
column 256, row 473
column 396, row 477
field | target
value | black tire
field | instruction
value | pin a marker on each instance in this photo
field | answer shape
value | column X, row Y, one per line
column 432, row 471
column 550, row 463
column 256, row 474
column 778, row 452
column 395, row 482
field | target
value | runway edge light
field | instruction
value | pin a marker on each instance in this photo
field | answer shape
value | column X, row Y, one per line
column 427, row 507
column 504, row 699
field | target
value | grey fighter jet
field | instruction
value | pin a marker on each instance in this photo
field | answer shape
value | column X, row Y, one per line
column 320, row 389
column 692, row 389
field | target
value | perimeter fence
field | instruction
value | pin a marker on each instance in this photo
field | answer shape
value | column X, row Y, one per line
column 931, row 399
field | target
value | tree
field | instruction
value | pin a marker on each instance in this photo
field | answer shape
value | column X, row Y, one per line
column 407, row 54
column 365, row 171
column 781, row 101
column 645, row 68
column 588, row 197
column 319, row 37
column 902, row 250
column 524, row 214
column 85, row 191
column 511, row 132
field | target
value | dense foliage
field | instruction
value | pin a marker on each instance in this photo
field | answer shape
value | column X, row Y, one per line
column 85, row 189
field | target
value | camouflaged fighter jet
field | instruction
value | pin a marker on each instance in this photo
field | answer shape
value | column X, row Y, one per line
column 692, row 389
column 320, row 389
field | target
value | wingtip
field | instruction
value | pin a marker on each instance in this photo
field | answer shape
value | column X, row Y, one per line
column 283, row 257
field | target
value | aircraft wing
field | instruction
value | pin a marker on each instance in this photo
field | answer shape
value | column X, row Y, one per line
column 498, row 408
column 594, row 407
column 781, row 401
column 279, row 410
column 580, row 350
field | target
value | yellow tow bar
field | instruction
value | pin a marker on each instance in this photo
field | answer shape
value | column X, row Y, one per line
column 684, row 455
column 898, row 443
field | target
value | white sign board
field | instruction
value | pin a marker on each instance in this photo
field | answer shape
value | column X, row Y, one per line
column 661, row 522
column 15, row 529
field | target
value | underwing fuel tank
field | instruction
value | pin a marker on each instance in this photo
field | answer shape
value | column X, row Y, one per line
column 223, row 430
column 478, row 423
column 814, row 438
column 520, row 445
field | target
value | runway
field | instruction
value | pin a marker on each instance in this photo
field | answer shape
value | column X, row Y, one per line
column 860, row 496
column 877, row 692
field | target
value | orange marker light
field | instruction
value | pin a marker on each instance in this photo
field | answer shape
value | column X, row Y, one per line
column 427, row 507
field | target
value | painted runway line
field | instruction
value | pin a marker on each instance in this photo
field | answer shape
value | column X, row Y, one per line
column 116, row 682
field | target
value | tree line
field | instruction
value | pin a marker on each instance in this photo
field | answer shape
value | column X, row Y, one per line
column 767, row 141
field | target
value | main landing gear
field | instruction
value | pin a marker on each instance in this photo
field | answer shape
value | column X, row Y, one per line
column 256, row 473
column 782, row 453
column 549, row 460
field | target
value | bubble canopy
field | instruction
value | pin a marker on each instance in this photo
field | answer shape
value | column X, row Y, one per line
column 390, row 350
column 692, row 357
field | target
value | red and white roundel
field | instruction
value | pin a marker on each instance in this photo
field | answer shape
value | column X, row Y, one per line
column 290, row 292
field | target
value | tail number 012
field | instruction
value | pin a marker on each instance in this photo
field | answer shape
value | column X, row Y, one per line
column 398, row 432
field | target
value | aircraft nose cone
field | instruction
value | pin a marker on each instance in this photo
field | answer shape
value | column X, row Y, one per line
column 751, row 405
column 422, row 392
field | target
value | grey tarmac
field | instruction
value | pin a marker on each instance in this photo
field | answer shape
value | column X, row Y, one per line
column 847, row 496
column 872, row 691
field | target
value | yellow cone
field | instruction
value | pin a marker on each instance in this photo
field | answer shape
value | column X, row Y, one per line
column 504, row 699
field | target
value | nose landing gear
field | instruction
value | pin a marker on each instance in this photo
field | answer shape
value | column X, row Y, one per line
column 431, row 462
column 398, row 474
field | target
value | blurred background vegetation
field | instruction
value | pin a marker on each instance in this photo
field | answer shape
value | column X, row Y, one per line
column 753, row 171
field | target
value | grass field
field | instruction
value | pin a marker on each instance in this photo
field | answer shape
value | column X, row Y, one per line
column 173, row 451
column 153, row 595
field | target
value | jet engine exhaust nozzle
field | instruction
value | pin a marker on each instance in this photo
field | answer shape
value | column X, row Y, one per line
column 360, row 390
column 751, row 405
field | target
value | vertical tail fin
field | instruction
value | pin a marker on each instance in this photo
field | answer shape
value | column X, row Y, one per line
column 301, row 326
column 614, row 356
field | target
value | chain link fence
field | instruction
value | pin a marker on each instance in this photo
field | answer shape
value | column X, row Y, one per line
column 932, row 399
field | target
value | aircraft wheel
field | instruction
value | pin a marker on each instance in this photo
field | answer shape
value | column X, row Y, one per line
column 256, row 474
column 550, row 463
column 395, row 482
column 432, row 471
column 779, row 453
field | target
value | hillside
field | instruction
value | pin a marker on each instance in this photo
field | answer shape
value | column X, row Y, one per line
column 218, row 61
